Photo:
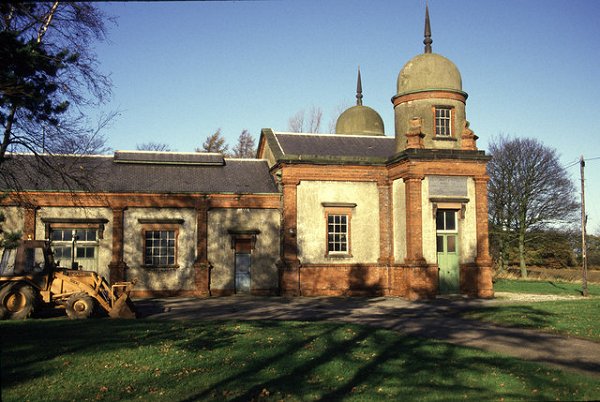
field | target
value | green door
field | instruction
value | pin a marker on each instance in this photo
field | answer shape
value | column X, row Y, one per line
column 447, row 251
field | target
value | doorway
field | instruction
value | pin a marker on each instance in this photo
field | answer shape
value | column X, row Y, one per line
column 242, row 273
column 447, row 250
column 243, row 265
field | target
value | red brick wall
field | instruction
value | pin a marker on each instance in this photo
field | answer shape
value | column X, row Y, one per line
column 337, row 280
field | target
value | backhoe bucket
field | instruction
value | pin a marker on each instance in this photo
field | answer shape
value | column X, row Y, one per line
column 122, row 308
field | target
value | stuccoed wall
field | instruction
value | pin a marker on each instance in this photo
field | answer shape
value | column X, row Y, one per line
column 311, row 224
column 264, row 275
column 468, row 238
column 181, row 278
column 399, row 199
column 429, row 232
column 424, row 109
column 268, row 155
column 104, row 245
column 13, row 219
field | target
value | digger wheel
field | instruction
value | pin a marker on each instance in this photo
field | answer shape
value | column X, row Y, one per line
column 79, row 306
column 16, row 301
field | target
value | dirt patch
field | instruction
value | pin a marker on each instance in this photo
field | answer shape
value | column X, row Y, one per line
column 532, row 297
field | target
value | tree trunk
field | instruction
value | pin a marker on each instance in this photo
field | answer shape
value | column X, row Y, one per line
column 7, row 133
column 501, row 254
column 522, row 253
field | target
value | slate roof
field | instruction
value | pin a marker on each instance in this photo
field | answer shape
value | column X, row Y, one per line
column 336, row 146
column 119, row 175
column 352, row 149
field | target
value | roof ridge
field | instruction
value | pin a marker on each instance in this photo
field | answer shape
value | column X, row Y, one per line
column 333, row 135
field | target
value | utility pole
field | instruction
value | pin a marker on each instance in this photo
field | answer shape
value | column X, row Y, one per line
column 583, row 231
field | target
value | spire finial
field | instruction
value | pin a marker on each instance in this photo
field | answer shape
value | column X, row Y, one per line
column 427, row 41
column 359, row 89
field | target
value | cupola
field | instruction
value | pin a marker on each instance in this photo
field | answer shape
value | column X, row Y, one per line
column 429, row 89
column 359, row 119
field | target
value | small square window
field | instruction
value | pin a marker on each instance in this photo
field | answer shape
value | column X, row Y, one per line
column 160, row 247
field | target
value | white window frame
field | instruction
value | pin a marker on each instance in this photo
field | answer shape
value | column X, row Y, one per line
column 338, row 233
column 443, row 121
column 74, row 247
column 156, row 257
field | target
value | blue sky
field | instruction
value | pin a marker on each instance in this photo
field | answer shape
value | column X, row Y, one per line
column 181, row 70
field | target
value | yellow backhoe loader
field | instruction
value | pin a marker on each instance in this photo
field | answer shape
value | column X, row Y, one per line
column 30, row 278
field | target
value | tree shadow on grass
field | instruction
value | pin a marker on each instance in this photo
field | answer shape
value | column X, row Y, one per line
column 359, row 362
column 240, row 360
column 35, row 348
column 562, row 287
column 517, row 316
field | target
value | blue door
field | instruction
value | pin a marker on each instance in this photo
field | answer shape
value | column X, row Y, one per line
column 242, row 273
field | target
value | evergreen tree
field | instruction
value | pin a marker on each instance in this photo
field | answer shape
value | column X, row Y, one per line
column 245, row 147
column 48, row 78
column 215, row 143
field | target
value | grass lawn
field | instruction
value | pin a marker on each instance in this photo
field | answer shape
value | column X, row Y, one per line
column 567, row 317
column 110, row 360
column 544, row 287
column 577, row 317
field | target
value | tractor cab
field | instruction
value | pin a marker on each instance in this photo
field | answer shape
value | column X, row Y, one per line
column 32, row 258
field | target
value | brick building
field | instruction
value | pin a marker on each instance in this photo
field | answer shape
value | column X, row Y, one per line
column 350, row 213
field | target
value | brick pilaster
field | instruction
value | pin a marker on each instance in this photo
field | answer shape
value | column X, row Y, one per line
column 29, row 223
column 414, row 221
column 289, row 271
column 385, row 223
column 202, row 265
column 481, row 213
column 117, row 265
column 483, row 280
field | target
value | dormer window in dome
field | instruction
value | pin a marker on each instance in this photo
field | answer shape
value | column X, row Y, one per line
column 443, row 117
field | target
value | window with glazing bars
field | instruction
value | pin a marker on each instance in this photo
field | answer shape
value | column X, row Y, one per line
column 443, row 120
column 337, row 234
column 160, row 248
column 84, row 240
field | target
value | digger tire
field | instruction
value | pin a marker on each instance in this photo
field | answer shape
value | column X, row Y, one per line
column 79, row 306
column 17, row 301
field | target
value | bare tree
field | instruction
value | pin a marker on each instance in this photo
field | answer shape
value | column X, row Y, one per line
column 341, row 108
column 528, row 191
column 153, row 146
column 215, row 143
column 245, row 147
column 49, row 77
column 303, row 122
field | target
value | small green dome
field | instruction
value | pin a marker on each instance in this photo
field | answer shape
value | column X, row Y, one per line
column 429, row 71
column 359, row 120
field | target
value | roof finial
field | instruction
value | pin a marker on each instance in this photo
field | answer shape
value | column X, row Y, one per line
column 359, row 89
column 427, row 41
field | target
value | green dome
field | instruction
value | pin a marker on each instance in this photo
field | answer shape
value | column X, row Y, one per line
column 359, row 120
column 429, row 71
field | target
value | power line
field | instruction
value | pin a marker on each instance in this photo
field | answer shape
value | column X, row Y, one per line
column 577, row 162
column 572, row 164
